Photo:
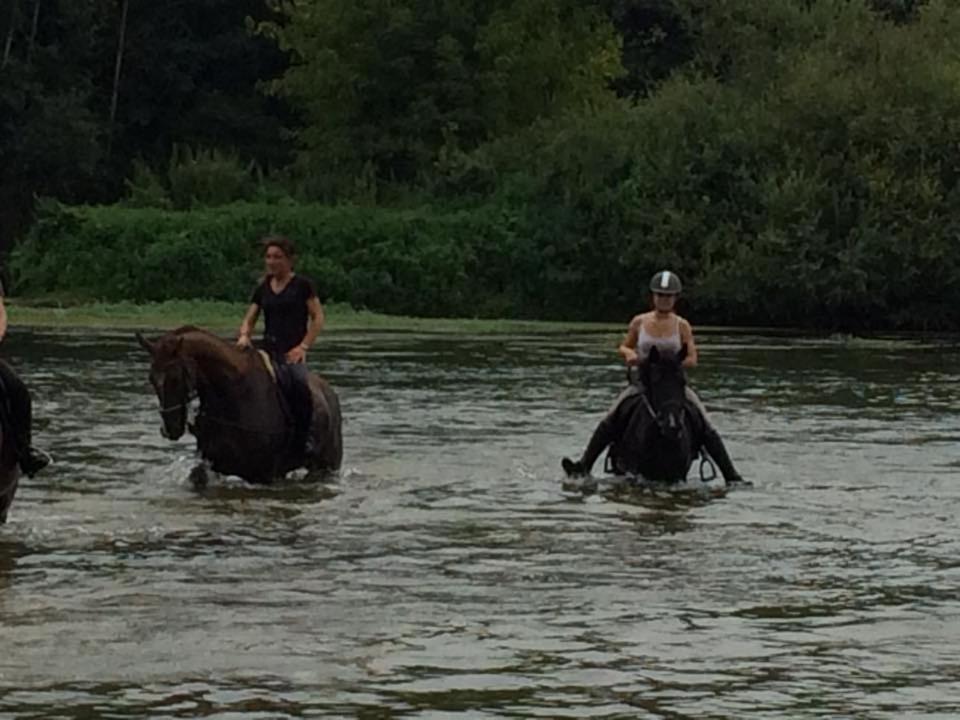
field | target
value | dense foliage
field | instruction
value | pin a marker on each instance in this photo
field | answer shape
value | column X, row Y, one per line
column 795, row 160
column 78, row 106
column 415, row 262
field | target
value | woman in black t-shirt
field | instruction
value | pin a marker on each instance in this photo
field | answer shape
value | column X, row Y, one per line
column 293, row 317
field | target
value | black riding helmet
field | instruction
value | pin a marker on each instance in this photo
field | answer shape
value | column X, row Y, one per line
column 665, row 283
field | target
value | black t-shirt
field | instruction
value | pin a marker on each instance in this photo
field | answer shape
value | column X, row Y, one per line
column 285, row 313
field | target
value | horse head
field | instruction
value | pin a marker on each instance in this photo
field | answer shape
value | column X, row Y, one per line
column 173, row 376
column 665, row 383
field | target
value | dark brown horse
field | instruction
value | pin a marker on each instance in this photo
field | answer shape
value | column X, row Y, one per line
column 9, row 473
column 242, row 427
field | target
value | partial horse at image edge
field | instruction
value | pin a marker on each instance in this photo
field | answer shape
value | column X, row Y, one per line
column 9, row 474
column 242, row 427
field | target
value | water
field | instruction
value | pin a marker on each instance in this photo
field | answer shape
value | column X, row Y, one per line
column 445, row 575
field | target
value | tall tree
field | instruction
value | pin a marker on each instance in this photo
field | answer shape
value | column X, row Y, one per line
column 8, row 37
column 117, row 69
column 385, row 87
column 656, row 41
column 191, row 72
column 34, row 25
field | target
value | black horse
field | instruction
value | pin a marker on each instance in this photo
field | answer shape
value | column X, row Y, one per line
column 242, row 427
column 9, row 451
column 9, row 472
column 662, row 433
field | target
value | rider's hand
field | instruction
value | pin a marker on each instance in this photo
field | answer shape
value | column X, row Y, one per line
column 631, row 357
column 296, row 355
column 244, row 341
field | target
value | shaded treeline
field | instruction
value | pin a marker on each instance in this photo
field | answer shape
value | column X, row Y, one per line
column 796, row 160
column 88, row 87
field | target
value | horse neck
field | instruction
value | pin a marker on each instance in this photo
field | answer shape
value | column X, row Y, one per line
column 220, row 367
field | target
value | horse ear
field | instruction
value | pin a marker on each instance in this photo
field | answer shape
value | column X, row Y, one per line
column 654, row 356
column 683, row 353
column 145, row 344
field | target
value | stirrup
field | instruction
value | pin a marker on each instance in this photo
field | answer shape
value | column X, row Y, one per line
column 707, row 462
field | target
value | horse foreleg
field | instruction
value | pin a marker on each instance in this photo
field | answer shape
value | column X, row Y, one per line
column 199, row 477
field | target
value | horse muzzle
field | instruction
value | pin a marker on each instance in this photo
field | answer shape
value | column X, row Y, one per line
column 171, row 433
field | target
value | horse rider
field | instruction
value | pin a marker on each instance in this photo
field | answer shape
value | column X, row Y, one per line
column 18, row 412
column 293, row 317
column 668, row 332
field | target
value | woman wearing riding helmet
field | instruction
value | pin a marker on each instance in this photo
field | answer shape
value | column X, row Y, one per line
column 663, row 329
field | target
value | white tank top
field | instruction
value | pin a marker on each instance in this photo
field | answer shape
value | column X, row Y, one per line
column 667, row 344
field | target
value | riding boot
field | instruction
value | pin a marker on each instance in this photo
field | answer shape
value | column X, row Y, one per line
column 300, row 442
column 718, row 451
column 30, row 459
column 294, row 380
column 599, row 441
column 20, row 419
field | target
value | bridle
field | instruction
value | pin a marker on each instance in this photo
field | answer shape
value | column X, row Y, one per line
column 669, row 409
column 191, row 393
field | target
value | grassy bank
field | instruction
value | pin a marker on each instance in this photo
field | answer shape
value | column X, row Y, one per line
column 224, row 317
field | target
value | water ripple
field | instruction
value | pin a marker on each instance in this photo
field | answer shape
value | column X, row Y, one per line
column 444, row 574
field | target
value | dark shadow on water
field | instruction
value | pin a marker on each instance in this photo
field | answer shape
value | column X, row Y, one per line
column 11, row 550
column 660, row 523
column 641, row 493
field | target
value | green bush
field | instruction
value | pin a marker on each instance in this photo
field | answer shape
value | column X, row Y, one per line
column 417, row 262
column 194, row 178
column 802, row 171
column 802, row 168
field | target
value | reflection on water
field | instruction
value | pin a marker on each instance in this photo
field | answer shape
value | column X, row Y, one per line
column 446, row 575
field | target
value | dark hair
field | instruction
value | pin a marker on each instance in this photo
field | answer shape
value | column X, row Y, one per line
column 280, row 242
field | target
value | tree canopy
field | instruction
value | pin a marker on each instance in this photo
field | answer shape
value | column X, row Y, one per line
column 788, row 157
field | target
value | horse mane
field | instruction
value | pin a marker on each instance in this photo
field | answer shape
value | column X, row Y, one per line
column 204, row 335
column 214, row 344
column 184, row 329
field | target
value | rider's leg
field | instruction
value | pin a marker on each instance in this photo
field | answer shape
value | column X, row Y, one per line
column 713, row 442
column 605, row 433
column 30, row 459
column 301, row 405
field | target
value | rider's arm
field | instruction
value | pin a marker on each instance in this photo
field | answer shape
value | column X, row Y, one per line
column 249, row 322
column 3, row 317
column 315, row 325
column 628, row 348
column 686, row 337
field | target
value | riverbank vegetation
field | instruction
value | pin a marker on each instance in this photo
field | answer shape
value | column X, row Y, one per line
column 796, row 162
column 224, row 318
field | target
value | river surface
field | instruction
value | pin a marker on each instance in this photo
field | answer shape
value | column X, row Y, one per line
column 446, row 575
